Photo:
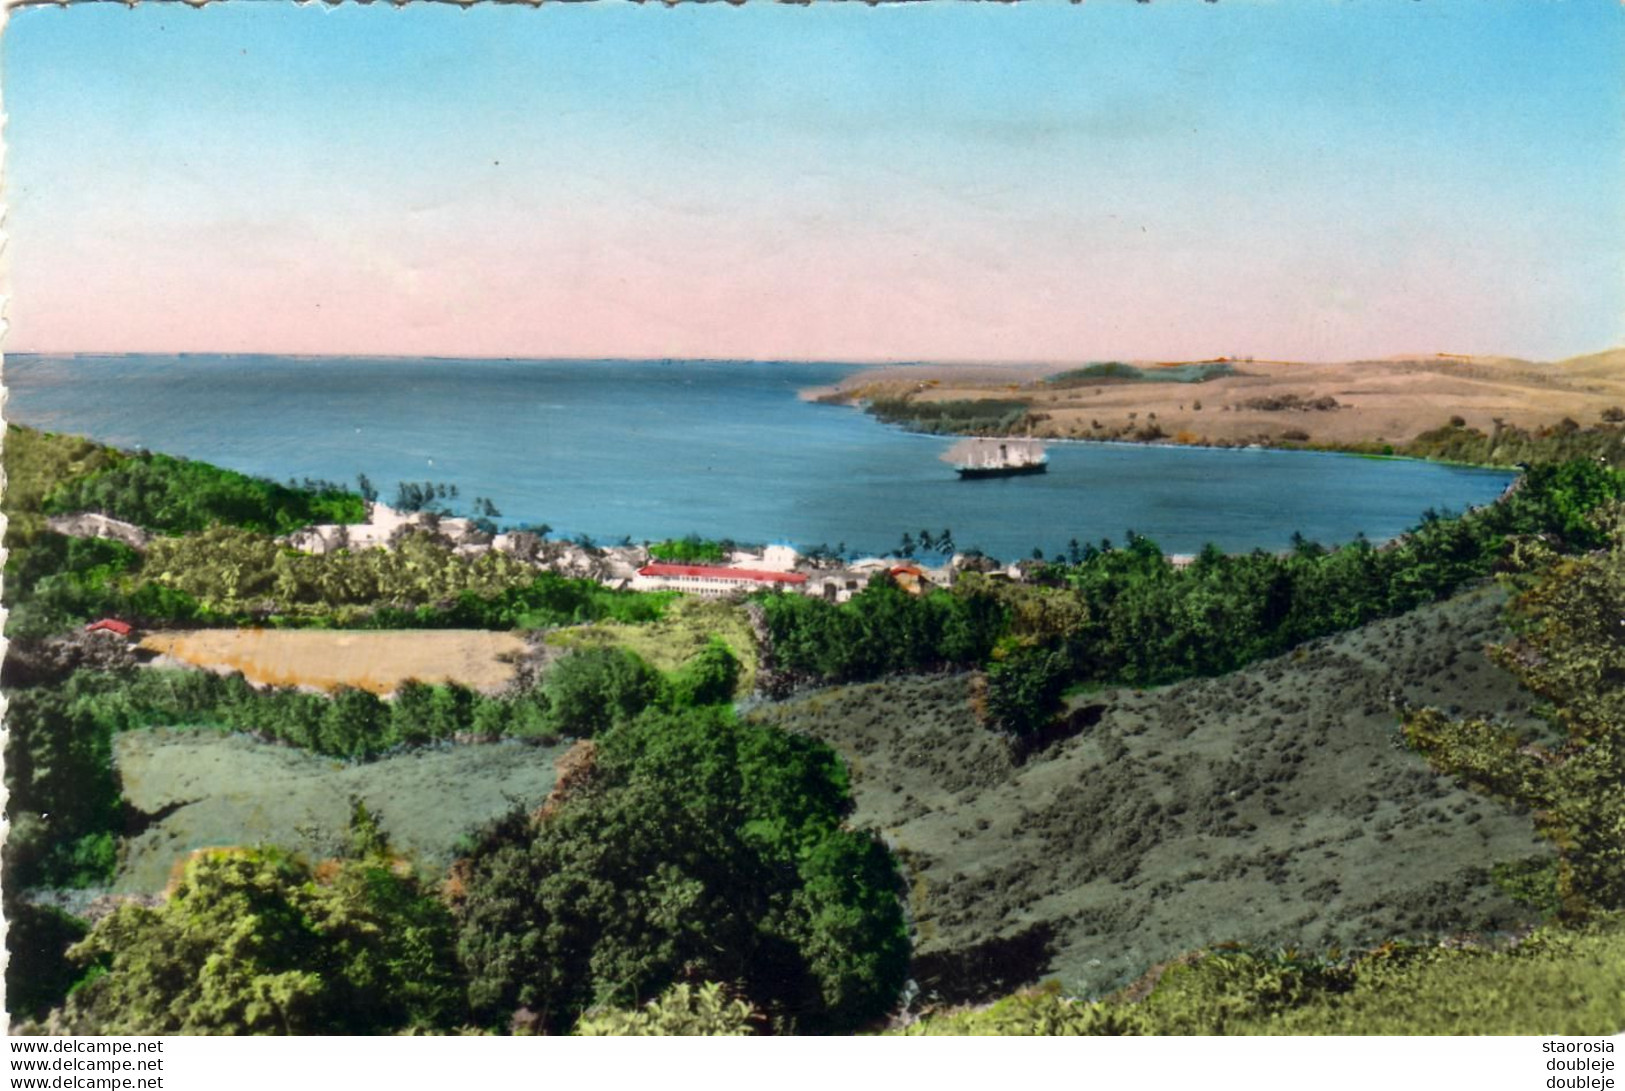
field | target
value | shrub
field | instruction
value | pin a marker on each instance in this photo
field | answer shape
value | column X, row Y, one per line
column 984, row 416
column 690, row 550
column 591, row 690
column 1558, row 981
column 709, row 678
column 704, row 1011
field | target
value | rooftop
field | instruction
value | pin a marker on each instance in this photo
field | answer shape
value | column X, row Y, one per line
column 703, row 571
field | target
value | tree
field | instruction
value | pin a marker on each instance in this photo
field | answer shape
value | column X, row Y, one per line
column 590, row 690
column 355, row 724
column 699, row 848
column 64, row 793
column 39, row 973
column 1571, row 651
column 1024, row 689
column 252, row 941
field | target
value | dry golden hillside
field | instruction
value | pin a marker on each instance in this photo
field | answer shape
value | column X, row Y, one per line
column 1336, row 404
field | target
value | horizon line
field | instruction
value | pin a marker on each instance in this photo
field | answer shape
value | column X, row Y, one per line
column 883, row 362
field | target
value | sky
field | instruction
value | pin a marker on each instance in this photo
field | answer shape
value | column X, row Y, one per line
column 952, row 181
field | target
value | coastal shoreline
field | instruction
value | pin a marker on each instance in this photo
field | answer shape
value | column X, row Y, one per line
column 1434, row 409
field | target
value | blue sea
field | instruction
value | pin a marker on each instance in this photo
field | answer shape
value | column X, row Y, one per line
column 650, row 450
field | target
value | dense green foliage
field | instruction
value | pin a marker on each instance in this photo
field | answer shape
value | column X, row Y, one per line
column 881, row 630
column 690, row 550
column 1557, row 981
column 39, row 973
column 594, row 689
column 226, row 566
column 981, row 416
column 1127, row 615
column 698, row 848
column 1509, row 445
column 710, row 678
column 36, row 463
column 1024, row 688
column 64, row 798
column 1093, row 374
column 1570, row 653
column 1151, row 623
column 65, row 806
column 226, row 575
column 176, row 496
column 258, row 942
column 63, row 731
column 55, row 582
column 350, row 723
column 420, row 582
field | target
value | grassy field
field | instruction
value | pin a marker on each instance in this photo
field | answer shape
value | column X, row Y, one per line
column 201, row 790
column 1269, row 807
column 688, row 624
column 326, row 658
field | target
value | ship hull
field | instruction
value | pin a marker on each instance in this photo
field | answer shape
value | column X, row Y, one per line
column 974, row 473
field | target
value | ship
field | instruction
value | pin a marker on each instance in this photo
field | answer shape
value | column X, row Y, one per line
column 979, row 458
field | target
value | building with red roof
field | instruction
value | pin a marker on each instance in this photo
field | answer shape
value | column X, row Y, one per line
column 110, row 625
column 910, row 577
column 710, row 580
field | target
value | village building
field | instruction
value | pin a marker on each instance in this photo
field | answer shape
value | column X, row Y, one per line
column 774, row 558
column 91, row 524
column 112, row 626
column 836, row 587
column 383, row 523
column 712, row 581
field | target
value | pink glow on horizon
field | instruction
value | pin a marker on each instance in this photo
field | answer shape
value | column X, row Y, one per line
column 601, row 286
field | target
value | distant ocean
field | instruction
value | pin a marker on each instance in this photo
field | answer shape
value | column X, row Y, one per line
column 651, row 450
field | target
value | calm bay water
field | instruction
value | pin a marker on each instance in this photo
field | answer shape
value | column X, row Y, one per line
column 654, row 450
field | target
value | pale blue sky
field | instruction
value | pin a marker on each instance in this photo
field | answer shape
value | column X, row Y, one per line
column 952, row 180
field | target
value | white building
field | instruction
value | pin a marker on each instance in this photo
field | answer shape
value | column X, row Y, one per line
column 712, row 581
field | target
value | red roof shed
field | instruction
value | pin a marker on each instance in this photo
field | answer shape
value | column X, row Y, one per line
column 109, row 625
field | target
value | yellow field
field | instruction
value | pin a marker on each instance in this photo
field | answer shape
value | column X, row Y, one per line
column 376, row 661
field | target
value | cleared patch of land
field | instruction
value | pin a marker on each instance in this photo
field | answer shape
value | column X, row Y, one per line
column 1269, row 807
column 201, row 790
column 326, row 658
column 686, row 627
column 1377, row 401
